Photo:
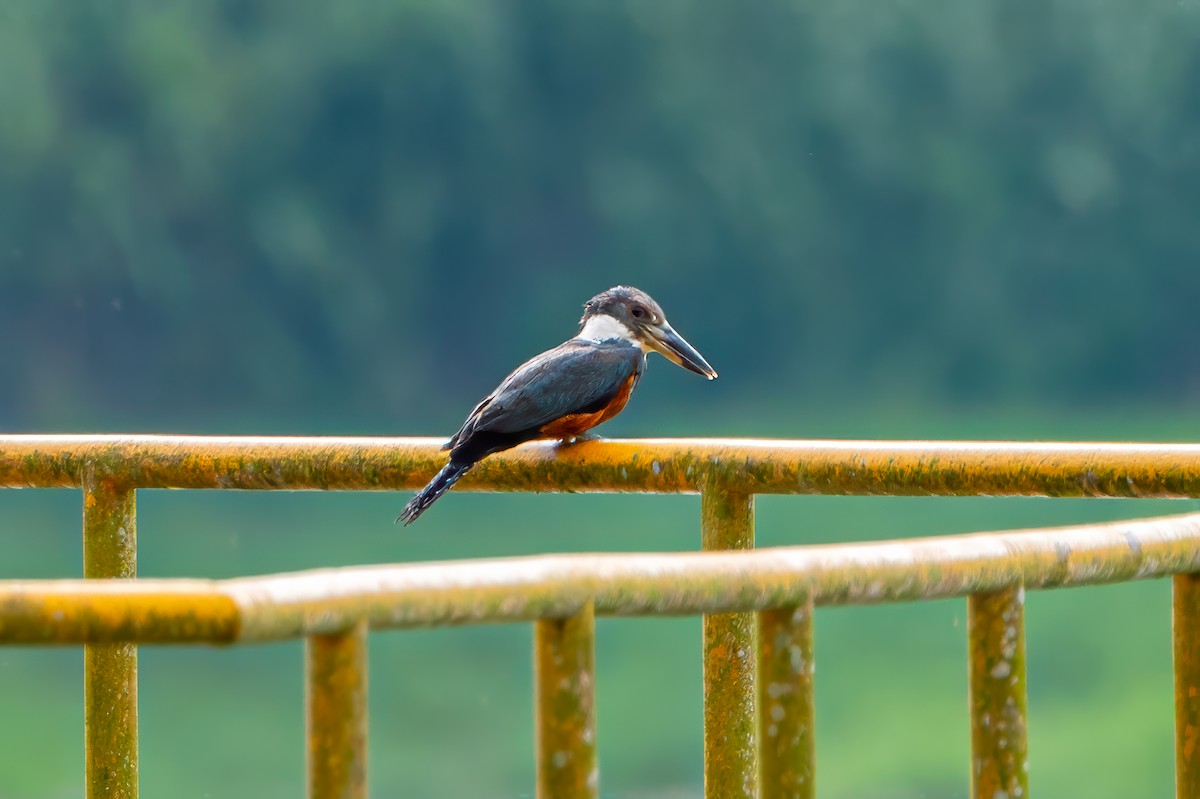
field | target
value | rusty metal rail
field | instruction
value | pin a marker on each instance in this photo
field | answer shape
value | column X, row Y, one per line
column 893, row 468
column 758, row 671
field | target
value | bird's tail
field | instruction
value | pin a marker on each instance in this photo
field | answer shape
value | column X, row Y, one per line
column 439, row 485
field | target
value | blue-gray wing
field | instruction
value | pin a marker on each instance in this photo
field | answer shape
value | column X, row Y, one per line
column 576, row 377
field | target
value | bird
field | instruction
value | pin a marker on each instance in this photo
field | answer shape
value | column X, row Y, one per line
column 567, row 390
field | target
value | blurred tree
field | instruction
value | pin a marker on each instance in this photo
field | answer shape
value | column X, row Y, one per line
column 271, row 211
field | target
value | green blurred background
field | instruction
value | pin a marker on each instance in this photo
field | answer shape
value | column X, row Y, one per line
column 905, row 219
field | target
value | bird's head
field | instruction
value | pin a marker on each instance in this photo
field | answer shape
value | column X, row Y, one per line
column 627, row 313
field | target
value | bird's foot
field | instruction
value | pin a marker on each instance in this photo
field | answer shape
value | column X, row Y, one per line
column 579, row 439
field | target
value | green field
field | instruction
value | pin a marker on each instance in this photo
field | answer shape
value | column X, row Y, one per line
column 451, row 710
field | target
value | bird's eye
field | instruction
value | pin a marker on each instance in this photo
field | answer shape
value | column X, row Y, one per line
column 638, row 312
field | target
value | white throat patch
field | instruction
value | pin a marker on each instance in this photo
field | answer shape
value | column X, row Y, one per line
column 606, row 328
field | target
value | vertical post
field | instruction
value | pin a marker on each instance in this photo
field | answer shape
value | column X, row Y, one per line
column 730, row 767
column 785, row 702
column 110, row 670
column 996, row 646
column 1185, row 634
column 336, row 681
column 565, row 706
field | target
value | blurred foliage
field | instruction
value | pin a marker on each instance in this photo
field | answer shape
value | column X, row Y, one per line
column 917, row 218
column 977, row 200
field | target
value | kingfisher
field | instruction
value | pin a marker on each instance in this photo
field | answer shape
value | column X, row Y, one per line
column 566, row 391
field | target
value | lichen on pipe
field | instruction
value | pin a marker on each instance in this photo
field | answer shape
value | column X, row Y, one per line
column 997, row 693
column 518, row 589
column 564, row 670
column 786, row 704
column 147, row 611
column 730, row 644
column 1185, row 634
column 556, row 586
column 336, row 714
column 898, row 468
column 110, row 706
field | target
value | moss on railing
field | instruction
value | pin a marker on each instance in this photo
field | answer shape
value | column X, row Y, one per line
column 656, row 465
column 557, row 586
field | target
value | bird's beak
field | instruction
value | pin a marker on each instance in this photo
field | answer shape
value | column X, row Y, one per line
column 674, row 348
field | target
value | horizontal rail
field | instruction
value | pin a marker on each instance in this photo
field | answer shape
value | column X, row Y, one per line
column 557, row 586
column 913, row 468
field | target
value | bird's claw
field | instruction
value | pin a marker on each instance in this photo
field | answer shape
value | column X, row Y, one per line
column 579, row 439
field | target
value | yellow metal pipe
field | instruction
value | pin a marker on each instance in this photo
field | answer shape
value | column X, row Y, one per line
column 556, row 586
column 901, row 468
column 147, row 611
column 336, row 714
column 564, row 657
column 518, row 589
column 996, row 681
column 110, row 669
column 786, row 706
column 730, row 652
column 1185, row 631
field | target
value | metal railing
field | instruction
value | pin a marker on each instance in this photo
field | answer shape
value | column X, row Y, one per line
column 757, row 606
